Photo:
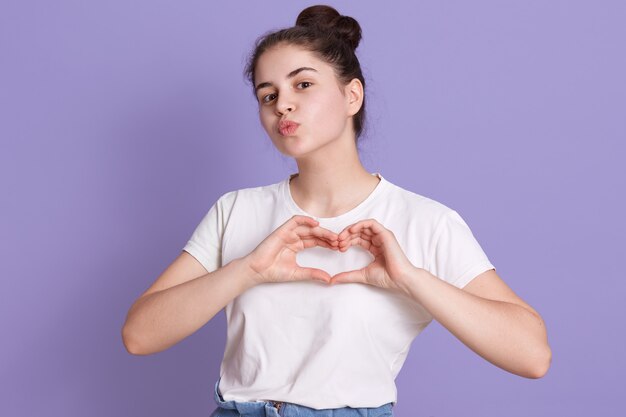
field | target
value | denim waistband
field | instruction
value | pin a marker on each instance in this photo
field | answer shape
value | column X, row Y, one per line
column 285, row 409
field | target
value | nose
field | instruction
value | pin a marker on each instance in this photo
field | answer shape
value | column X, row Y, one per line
column 284, row 104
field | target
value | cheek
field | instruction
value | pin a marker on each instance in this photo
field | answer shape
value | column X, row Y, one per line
column 265, row 119
column 331, row 110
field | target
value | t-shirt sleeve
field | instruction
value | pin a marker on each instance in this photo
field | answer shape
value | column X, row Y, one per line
column 205, row 243
column 457, row 257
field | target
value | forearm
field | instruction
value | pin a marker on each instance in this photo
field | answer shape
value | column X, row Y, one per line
column 507, row 335
column 162, row 319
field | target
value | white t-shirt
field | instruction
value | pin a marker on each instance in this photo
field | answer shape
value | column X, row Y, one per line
column 326, row 346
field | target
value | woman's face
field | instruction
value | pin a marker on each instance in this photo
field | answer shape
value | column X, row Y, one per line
column 293, row 85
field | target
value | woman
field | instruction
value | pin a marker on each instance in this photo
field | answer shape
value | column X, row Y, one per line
column 328, row 275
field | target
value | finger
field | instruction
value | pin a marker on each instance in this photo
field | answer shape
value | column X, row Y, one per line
column 365, row 234
column 368, row 229
column 370, row 224
column 347, row 236
column 345, row 232
column 362, row 230
column 298, row 226
column 298, row 220
column 355, row 240
column 318, row 231
column 351, row 236
column 358, row 241
column 324, row 233
column 355, row 276
column 303, row 274
column 357, row 228
column 312, row 242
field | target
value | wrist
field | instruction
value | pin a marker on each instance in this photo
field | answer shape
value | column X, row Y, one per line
column 251, row 276
column 406, row 281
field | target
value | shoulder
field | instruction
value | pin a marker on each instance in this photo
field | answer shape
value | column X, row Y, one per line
column 416, row 206
column 250, row 196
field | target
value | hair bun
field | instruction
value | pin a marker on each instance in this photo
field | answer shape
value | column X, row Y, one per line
column 328, row 20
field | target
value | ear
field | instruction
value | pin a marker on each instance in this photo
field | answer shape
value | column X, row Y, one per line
column 354, row 96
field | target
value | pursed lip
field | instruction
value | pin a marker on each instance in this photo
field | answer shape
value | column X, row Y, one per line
column 287, row 127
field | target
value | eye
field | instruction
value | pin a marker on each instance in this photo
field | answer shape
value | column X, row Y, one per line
column 308, row 84
column 268, row 97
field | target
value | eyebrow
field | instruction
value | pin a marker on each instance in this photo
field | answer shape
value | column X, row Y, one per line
column 290, row 75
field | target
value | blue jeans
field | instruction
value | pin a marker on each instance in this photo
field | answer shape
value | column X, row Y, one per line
column 283, row 409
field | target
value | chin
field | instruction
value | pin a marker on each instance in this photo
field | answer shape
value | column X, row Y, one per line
column 291, row 152
column 297, row 146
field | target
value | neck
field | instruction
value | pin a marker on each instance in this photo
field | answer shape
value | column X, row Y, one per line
column 329, row 184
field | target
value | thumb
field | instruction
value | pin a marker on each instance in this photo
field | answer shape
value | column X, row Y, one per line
column 347, row 277
column 302, row 274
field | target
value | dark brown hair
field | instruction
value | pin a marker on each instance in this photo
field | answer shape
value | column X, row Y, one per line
column 329, row 35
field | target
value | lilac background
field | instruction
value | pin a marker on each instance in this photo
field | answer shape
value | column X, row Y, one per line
column 122, row 122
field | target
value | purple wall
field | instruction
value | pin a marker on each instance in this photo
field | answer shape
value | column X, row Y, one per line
column 122, row 122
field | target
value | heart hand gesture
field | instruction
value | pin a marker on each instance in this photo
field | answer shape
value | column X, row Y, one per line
column 274, row 259
column 390, row 265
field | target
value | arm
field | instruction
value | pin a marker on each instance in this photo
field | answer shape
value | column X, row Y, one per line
column 177, row 305
column 182, row 299
column 488, row 317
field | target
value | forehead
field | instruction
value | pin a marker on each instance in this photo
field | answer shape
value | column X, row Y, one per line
column 275, row 63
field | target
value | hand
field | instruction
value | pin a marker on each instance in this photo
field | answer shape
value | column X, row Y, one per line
column 390, row 265
column 274, row 259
